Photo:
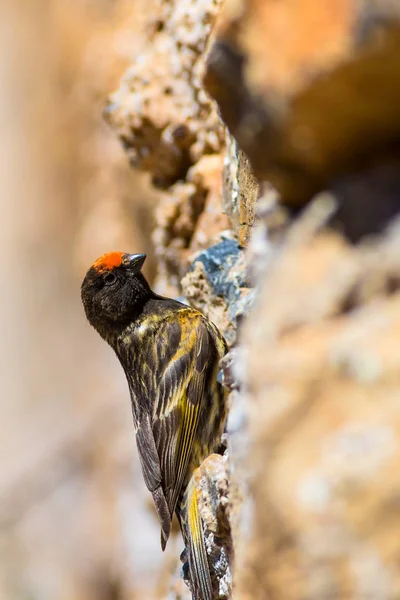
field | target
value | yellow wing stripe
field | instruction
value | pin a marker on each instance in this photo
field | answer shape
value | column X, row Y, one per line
column 193, row 516
column 197, row 550
column 189, row 414
column 187, row 433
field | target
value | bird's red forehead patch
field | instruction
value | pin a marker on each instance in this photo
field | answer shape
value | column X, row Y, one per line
column 108, row 261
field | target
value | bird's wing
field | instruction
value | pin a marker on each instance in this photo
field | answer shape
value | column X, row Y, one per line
column 166, row 438
column 177, row 411
column 186, row 404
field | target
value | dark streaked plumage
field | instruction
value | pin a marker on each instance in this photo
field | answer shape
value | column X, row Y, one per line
column 170, row 354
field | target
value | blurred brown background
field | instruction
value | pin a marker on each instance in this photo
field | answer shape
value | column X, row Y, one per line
column 73, row 516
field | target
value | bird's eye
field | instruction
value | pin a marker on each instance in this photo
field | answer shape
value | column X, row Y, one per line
column 109, row 278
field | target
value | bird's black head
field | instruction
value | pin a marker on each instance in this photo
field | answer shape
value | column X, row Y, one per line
column 114, row 291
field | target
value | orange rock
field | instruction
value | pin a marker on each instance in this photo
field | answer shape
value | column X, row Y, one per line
column 309, row 93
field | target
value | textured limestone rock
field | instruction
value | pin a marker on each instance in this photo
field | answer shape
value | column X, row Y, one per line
column 216, row 284
column 161, row 113
column 188, row 220
column 309, row 95
column 240, row 191
column 322, row 380
column 213, row 504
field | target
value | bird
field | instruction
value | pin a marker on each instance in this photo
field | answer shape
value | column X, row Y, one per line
column 170, row 354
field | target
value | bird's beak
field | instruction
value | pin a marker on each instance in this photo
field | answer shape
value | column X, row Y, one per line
column 134, row 262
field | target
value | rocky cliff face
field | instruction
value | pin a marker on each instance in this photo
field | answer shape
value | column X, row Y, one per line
column 281, row 217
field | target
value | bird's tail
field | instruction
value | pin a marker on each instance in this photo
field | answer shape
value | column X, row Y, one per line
column 192, row 531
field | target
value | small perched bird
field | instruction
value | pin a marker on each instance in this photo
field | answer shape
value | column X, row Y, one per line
column 170, row 354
